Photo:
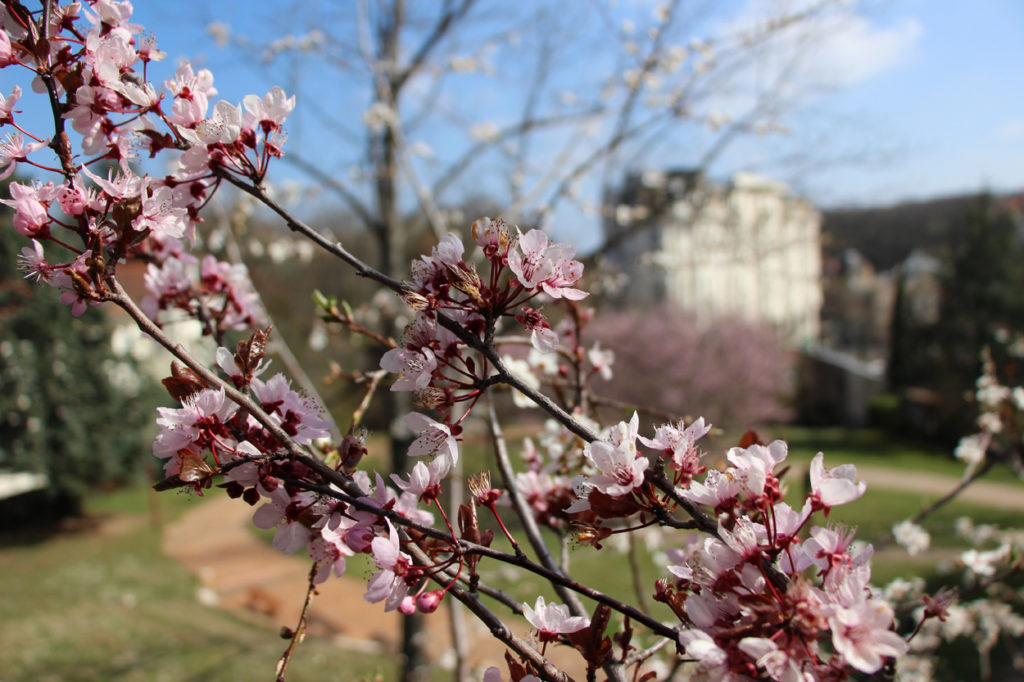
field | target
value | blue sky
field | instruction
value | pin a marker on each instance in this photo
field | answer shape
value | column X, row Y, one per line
column 951, row 112
column 924, row 97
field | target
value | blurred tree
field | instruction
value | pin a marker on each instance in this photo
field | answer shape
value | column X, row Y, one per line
column 69, row 407
column 982, row 301
column 728, row 372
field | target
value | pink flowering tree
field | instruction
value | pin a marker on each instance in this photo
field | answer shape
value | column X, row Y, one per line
column 754, row 586
column 730, row 368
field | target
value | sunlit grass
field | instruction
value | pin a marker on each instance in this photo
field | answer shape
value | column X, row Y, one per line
column 108, row 605
column 873, row 447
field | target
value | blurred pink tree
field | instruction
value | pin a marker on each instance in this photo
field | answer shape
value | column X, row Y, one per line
column 731, row 371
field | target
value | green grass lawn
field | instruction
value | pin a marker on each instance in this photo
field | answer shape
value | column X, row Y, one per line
column 872, row 447
column 107, row 605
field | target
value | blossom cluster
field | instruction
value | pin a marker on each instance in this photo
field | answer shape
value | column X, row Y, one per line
column 443, row 368
column 984, row 611
column 94, row 62
column 999, row 407
column 209, row 436
column 758, row 598
column 766, row 592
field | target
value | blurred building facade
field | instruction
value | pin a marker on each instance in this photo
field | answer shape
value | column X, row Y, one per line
column 747, row 248
column 856, row 313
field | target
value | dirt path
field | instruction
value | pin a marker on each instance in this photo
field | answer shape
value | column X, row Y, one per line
column 214, row 540
column 985, row 492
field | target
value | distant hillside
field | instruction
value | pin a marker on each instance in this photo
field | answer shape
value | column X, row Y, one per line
column 885, row 236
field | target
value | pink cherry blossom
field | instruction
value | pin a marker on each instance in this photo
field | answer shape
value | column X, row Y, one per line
column 208, row 409
column 117, row 186
column 329, row 551
column 415, row 367
column 165, row 283
column 531, row 266
column 449, row 249
column 552, row 620
column 620, row 469
column 744, row 538
column 240, row 307
column 147, row 49
column 297, row 414
column 14, row 149
column 75, row 198
column 282, row 514
column 830, row 488
column 428, row 601
column 679, row 444
column 699, row 645
column 224, row 126
column 716, row 490
column 388, row 583
column 189, row 112
column 863, row 637
column 424, row 481
column 7, row 103
column 32, row 262
column 159, row 213
column 544, row 339
column 6, row 56
column 188, row 84
column 271, row 110
column 493, row 237
column 564, row 273
column 86, row 119
column 769, row 657
column 601, row 360
column 827, row 547
column 435, row 438
column 109, row 12
column 30, row 216
column 788, row 521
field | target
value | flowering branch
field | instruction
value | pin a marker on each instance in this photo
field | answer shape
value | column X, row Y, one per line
column 760, row 592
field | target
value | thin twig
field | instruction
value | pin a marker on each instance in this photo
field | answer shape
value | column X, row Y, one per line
column 945, row 499
column 296, row 225
column 634, row 569
column 364, row 404
column 497, row 628
column 300, row 629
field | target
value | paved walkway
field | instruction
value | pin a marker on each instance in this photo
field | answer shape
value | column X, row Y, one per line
column 245, row 574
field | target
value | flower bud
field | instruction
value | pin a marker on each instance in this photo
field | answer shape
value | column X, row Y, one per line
column 408, row 605
column 429, row 601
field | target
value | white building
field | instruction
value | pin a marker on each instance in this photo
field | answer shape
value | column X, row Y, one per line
column 748, row 248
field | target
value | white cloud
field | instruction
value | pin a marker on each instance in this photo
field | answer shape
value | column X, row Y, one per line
column 797, row 47
column 834, row 46
column 1013, row 128
column 851, row 50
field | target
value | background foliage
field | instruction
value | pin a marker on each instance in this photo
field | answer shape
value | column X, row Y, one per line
column 69, row 407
